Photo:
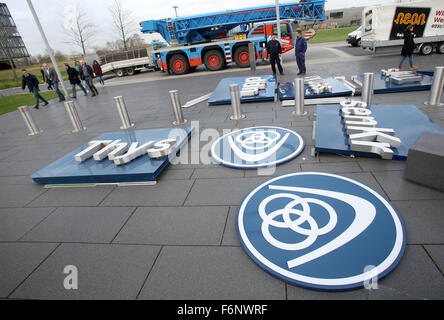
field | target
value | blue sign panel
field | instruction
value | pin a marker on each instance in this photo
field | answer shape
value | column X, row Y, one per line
column 68, row 170
column 339, row 89
column 321, row 231
column 407, row 121
column 221, row 95
column 257, row 147
column 382, row 84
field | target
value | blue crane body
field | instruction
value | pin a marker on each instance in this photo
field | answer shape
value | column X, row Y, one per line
column 208, row 38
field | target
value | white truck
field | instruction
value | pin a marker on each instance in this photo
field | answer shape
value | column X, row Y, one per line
column 127, row 62
column 383, row 26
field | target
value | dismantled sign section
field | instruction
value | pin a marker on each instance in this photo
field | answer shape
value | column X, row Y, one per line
column 316, row 87
column 387, row 132
column 363, row 133
column 117, row 157
column 253, row 89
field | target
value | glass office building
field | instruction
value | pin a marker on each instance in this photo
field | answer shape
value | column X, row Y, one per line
column 11, row 43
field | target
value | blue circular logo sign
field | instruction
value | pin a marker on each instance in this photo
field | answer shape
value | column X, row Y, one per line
column 321, row 231
column 257, row 147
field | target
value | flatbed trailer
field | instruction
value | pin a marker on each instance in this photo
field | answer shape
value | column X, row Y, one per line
column 127, row 62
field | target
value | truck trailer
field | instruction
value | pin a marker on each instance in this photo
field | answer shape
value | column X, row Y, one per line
column 383, row 26
column 219, row 38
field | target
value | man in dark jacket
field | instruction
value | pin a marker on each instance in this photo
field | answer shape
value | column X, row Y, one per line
column 87, row 74
column 73, row 76
column 274, row 50
column 32, row 83
column 300, row 48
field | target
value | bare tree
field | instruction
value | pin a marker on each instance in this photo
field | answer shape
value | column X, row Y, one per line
column 123, row 22
column 78, row 29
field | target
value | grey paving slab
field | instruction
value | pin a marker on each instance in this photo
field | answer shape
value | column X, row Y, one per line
column 209, row 273
column 175, row 226
column 23, row 167
column 193, row 160
column 367, row 179
column 380, row 165
column 72, row 197
column 328, row 157
column 437, row 254
column 15, row 180
column 289, row 167
column 179, row 174
column 221, row 192
column 86, row 224
column 38, row 152
column 18, row 260
column 220, row 172
column 164, row 193
column 104, row 272
column 338, row 167
column 397, row 188
column 15, row 222
column 299, row 293
column 423, row 220
column 230, row 237
column 19, row 195
column 416, row 277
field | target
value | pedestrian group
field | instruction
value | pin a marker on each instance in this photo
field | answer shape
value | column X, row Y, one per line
column 81, row 75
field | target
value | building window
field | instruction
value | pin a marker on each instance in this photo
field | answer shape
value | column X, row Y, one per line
column 337, row 15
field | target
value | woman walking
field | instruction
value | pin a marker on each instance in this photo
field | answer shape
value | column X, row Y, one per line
column 98, row 71
column 408, row 47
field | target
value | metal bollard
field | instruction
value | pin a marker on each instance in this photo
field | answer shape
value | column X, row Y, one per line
column 74, row 116
column 367, row 88
column 252, row 53
column 436, row 90
column 177, row 108
column 32, row 127
column 123, row 113
column 235, row 102
column 299, row 95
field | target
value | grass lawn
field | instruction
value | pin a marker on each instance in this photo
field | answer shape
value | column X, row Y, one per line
column 7, row 77
column 10, row 103
column 332, row 35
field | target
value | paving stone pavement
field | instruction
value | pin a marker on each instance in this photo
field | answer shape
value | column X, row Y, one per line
column 178, row 239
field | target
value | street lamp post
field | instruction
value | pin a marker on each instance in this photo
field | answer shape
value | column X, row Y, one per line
column 278, row 21
column 175, row 10
column 48, row 48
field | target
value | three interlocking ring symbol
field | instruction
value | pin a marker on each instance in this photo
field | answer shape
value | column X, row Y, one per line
column 294, row 215
column 254, row 140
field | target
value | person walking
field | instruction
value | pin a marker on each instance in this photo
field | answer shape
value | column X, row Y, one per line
column 98, row 72
column 408, row 48
column 29, row 80
column 87, row 74
column 274, row 50
column 73, row 76
column 43, row 77
column 53, row 80
column 85, row 85
column 300, row 48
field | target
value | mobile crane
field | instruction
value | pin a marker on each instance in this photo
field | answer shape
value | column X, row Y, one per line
column 209, row 39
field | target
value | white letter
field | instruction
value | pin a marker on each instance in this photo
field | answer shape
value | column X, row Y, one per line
column 71, row 280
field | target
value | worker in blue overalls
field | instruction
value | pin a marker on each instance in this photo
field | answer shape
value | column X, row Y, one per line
column 300, row 48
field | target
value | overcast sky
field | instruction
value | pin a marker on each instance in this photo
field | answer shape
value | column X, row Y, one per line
column 54, row 14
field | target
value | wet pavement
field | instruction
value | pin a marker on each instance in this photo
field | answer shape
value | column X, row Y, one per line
column 177, row 239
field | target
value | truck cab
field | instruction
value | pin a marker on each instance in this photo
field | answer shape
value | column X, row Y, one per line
column 354, row 38
column 266, row 30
